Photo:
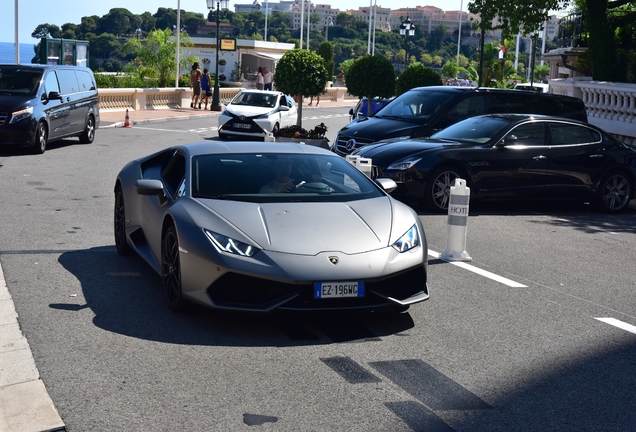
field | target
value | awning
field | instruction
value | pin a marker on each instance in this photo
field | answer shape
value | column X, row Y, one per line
column 265, row 54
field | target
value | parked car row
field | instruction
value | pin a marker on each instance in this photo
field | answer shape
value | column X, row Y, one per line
column 507, row 144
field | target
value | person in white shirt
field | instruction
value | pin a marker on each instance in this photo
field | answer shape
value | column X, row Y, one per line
column 260, row 82
column 282, row 182
column 268, row 78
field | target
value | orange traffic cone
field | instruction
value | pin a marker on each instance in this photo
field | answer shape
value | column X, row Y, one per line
column 127, row 121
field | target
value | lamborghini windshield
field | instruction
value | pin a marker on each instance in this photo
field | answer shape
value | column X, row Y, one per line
column 279, row 177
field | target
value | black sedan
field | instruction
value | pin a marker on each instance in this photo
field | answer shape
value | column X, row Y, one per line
column 511, row 156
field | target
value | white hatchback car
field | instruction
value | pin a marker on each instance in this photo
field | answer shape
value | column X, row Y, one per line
column 256, row 113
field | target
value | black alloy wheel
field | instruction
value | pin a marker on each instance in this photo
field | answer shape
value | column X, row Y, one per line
column 171, row 271
column 438, row 190
column 41, row 133
column 614, row 192
column 119, row 223
column 88, row 135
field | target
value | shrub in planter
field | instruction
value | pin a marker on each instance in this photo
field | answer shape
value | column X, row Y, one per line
column 315, row 136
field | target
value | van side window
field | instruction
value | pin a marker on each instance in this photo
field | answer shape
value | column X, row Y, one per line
column 68, row 81
column 50, row 83
column 515, row 102
column 563, row 134
column 85, row 80
column 471, row 106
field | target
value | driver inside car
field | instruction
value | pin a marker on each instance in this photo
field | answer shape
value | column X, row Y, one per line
column 282, row 181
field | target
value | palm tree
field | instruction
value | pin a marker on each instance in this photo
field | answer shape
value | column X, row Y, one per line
column 156, row 55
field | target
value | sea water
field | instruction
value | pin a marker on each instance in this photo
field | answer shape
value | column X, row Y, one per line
column 7, row 52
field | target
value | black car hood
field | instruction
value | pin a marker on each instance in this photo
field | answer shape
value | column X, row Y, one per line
column 389, row 152
column 379, row 128
column 12, row 103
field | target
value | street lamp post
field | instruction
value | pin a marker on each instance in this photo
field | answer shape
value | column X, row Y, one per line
column 216, row 97
column 407, row 29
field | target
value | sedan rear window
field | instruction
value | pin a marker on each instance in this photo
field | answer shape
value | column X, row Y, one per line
column 476, row 130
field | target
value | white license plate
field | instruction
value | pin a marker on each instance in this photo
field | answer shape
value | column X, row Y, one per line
column 338, row 289
column 242, row 126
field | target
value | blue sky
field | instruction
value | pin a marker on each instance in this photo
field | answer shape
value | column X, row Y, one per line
column 32, row 13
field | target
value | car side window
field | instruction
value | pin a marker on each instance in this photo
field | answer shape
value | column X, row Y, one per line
column 86, row 82
column 515, row 102
column 51, row 83
column 471, row 106
column 173, row 174
column 68, row 81
column 529, row 134
column 563, row 134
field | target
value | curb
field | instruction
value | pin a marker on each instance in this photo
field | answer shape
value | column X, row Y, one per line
column 25, row 404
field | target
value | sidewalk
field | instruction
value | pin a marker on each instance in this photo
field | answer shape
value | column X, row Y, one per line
column 117, row 118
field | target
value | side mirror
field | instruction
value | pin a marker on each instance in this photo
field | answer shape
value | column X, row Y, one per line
column 54, row 95
column 508, row 141
column 283, row 108
column 387, row 184
column 149, row 187
column 351, row 111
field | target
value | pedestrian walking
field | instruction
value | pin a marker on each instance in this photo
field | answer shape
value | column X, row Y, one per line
column 195, row 85
column 260, row 80
column 206, row 91
column 268, row 79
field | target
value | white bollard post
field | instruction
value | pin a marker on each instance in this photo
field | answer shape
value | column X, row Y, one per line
column 457, row 223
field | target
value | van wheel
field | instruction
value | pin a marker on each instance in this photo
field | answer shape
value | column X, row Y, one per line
column 438, row 188
column 39, row 144
column 88, row 135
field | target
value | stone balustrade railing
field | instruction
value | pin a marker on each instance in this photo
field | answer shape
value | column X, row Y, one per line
column 610, row 106
column 121, row 99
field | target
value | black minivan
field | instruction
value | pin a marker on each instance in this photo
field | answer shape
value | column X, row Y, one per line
column 44, row 103
column 422, row 111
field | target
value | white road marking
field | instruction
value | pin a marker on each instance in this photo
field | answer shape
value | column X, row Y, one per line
column 479, row 271
column 620, row 324
column 164, row 130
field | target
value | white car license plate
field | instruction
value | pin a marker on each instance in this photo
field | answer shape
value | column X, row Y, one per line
column 338, row 289
column 242, row 125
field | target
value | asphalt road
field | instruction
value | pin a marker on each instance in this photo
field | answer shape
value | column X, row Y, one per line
column 512, row 341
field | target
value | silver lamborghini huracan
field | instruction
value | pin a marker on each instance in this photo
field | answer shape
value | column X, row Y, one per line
column 263, row 226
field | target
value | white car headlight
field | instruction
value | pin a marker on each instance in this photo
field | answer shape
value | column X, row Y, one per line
column 22, row 114
column 226, row 244
column 404, row 164
column 265, row 116
column 410, row 240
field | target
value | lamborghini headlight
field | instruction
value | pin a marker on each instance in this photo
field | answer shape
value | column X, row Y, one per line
column 226, row 244
column 22, row 114
column 404, row 164
column 410, row 240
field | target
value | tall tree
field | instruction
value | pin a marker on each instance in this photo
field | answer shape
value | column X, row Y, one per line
column 303, row 73
column 371, row 76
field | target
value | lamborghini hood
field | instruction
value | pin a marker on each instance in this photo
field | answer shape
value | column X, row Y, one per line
column 311, row 228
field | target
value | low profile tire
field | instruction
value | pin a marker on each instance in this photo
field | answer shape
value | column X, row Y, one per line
column 88, row 135
column 276, row 128
column 438, row 188
column 41, row 135
column 171, row 271
column 614, row 192
column 119, row 223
